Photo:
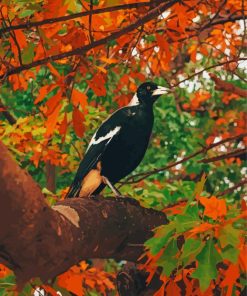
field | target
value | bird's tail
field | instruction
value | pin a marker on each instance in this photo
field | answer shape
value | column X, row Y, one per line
column 74, row 190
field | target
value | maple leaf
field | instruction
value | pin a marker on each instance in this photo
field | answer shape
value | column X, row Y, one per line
column 214, row 207
column 78, row 122
column 207, row 260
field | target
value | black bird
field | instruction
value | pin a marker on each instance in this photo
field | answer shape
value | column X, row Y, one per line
column 119, row 145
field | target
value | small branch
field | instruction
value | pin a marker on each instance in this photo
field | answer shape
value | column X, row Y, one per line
column 141, row 176
column 11, row 119
column 224, row 156
column 231, row 189
column 227, row 86
column 29, row 25
column 81, row 50
column 208, row 68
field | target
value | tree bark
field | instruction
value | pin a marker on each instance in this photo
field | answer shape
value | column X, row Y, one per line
column 39, row 241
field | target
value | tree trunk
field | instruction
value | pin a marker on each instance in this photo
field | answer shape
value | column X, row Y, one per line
column 39, row 241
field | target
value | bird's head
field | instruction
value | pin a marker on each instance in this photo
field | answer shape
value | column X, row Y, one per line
column 147, row 93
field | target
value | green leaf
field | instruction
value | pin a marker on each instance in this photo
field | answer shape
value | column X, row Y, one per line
column 230, row 253
column 188, row 220
column 207, row 260
column 229, row 236
column 167, row 260
column 200, row 185
column 28, row 53
column 191, row 249
column 26, row 12
column 155, row 244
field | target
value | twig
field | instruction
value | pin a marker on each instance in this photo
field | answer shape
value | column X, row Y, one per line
column 208, row 68
column 28, row 25
column 231, row 189
column 81, row 50
column 141, row 176
column 11, row 119
column 227, row 86
column 237, row 152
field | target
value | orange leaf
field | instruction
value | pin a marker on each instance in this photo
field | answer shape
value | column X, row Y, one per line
column 53, row 70
column 71, row 282
column 214, row 207
column 63, row 125
column 21, row 38
column 78, row 97
column 97, row 84
column 43, row 91
column 231, row 275
column 4, row 271
column 52, row 120
column 53, row 102
column 78, row 122
column 201, row 228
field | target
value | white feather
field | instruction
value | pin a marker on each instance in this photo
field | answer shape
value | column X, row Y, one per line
column 109, row 136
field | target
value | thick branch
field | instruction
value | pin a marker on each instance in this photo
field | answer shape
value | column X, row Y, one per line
column 228, row 87
column 81, row 50
column 29, row 25
column 38, row 241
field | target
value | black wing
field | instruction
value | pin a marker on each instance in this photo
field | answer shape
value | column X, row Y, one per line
column 108, row 130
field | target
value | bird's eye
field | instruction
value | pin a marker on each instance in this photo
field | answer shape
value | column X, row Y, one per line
column 148, row 87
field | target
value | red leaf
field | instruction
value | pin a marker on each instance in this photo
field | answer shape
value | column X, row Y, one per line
column 97, row 84
column 78, row 122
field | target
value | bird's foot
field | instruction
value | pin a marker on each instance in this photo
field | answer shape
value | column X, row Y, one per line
column 116, row 192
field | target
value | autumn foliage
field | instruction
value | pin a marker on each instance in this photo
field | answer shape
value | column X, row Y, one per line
column 65, row 65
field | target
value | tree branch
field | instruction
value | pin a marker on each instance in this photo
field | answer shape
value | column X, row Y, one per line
column 11, row 119
column 81, row 50
column 227, row 86
column 39, row 241
column 138, row 177
column 231, row 189
column 234, row 153
column 29, row 25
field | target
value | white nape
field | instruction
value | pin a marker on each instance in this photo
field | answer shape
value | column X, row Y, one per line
column 134, row 101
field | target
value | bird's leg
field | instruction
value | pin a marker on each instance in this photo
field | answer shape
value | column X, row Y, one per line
column 112, row 187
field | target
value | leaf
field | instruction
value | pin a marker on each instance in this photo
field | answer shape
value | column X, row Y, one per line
column 78, row 97
column 214, row 207
column 200, row 185
column 230, row 253
column 167, row 260
column 191, row 248
column 231, row 276
column 52, row 120
column 63, row 126
column 28, row 53
column 228, row 235
column 188, row 220
column 97, row 84
column 156, row 243
column 207, row 260
column 43, row 91
column 78, row 122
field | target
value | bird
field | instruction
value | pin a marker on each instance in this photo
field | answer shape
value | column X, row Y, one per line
column 119, row 144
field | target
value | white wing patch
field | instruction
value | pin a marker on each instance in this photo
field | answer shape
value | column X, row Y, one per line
column 109, row 136
column 134, row 101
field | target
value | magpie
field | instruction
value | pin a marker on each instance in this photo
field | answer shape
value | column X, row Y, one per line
column 119, row 145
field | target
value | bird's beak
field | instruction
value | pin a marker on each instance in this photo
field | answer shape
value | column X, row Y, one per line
column 160, row 91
